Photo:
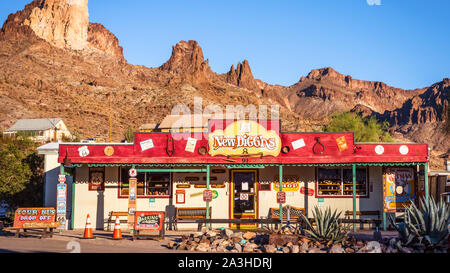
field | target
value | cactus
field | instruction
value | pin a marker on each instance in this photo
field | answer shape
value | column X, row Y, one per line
column 426, row 225
column 328, row 230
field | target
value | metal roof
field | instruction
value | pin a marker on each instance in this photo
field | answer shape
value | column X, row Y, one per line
column 34, row 124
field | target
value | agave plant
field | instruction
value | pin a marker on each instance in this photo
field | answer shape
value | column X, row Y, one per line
column 426, row 225
column 327, row 230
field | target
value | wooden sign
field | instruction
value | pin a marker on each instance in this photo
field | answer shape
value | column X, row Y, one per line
column 181, row 196
column 36, row 216
column 281, row 197
column 398, row 188
column 207, row 195
column 183, row 186
column 149, row 220
column 218, row 186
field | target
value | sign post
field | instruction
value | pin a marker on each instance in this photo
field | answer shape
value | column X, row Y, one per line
column 61, row 202
column 132, row 188
column 280, row 193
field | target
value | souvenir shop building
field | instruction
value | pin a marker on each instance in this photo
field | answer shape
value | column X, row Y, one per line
column 241, row 162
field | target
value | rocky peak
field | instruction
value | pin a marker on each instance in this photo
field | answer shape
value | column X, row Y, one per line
column 62, row 23
column 101, row 38
column 187, row 59
column 242, row 76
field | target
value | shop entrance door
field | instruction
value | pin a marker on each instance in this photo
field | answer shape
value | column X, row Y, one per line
column 244, row 196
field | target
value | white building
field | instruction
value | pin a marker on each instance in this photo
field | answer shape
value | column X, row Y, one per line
column 42, row 130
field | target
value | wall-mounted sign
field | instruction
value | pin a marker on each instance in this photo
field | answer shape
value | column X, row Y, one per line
column 341, row 143
column 379, row 149
column 307, row 191
column 398, row 188
column 236, row 141
column 200, row 186
column 320, row 202
column 217, row 186
column 403, row 150
column 215, row 194
column 183, row 186
column 298, row 144
column 83, row 151
column 146, row 144
column 207, row 195
column 149, row 220
column 61, row 178
column 290, row 183
column 180, row 196
column 243, row 197
column 190, row 145
column 109, row 150
column 132, row 172
column 281, row 197
column 34, row 216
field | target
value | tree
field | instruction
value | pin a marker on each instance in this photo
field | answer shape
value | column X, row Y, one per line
column 365, row 129
column 21, row 172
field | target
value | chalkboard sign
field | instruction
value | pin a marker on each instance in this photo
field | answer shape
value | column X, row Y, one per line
column 149, row 220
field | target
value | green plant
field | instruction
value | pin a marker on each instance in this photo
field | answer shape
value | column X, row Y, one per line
column 328, row 230
column 129, row 134
column 426, row 225
column 366, row 129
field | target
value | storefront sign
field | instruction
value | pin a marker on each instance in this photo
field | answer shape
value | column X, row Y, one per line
column 215, row 194
column 290, row 184
column 281, row 197
column 307, row 191
column 244, row 137
column 132, row 172
column 149, row 220
column 320, row 202
column 35, row 216
column 61, row 178
column 207, row 195
column 398, row 188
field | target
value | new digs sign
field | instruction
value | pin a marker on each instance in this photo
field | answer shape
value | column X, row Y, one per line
column 244, row 137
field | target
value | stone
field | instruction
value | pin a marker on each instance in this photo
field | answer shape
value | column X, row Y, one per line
column 237, row 235
column 236, row 239
column 373, row 247
column 282, row 239
column 238, row 247
column 304, row 247
column 198, row 234
column 171, row 244
column 249, row 235
column 227, row 233
column 203, row 247
column 220, row 249
column 211, row 233
column 182, row 246
column 349, row 250
column 316, row 250
column 289, row 244
column 336, row 249
column 270, row 248
column 249, row 247
column 286, row 250
column 295, row 249
column 304, row 239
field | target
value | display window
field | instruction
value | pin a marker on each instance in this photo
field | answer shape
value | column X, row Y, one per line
column 338, row 182
column 148, row 184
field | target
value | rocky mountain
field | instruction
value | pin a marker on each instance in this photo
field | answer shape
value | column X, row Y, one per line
column 55, row 63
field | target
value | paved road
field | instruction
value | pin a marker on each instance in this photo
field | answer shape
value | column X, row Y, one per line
column 70, row 241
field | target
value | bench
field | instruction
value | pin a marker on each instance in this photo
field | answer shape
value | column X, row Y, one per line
column 349, row 213
column 295, row 214
column 190, row 215
column 113, row 216
column 45, row 230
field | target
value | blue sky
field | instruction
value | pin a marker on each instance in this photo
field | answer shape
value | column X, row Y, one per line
column 404, row 43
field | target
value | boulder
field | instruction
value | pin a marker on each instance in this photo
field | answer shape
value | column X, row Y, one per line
column 304, row 247
column 250, row 247
column 270, row 248
column 295, row 249
column 249, row 235
column 336, row 249
column 227, row 233
column 238, row 247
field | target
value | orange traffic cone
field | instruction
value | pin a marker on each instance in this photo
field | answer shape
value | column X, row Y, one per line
column 88, row 229
column 117, row 235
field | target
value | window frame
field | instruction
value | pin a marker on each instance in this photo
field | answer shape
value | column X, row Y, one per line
column 146, row 180
column 341, row 195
